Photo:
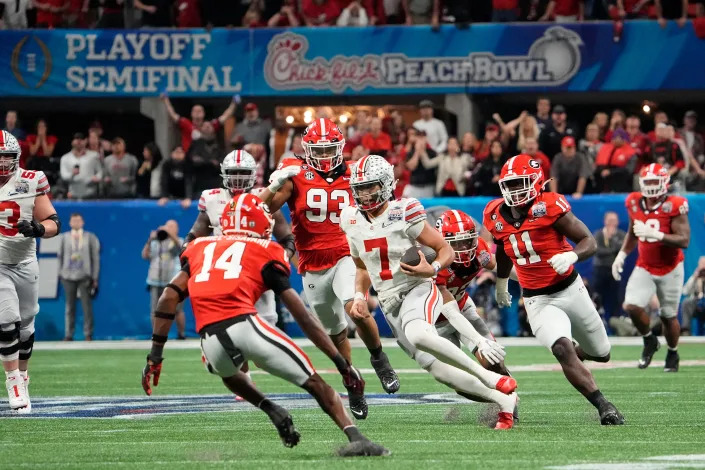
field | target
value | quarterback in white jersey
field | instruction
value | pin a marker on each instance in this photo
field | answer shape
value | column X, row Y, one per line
column 239, row 170
column 379, row 231
column 26, row 213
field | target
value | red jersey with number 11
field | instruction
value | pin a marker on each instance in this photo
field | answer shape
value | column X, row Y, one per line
column 531, row 242
column 315, row 206
column 225, row 275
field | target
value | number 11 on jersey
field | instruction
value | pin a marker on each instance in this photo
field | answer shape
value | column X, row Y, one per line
column 521, row 260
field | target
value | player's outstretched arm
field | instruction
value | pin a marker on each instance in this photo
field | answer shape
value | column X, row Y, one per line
column 680, row 238
column 504, row 268
column 577, row 232
column 359, row 307
column 201, row 228
column 628, row 245
column 282, row 232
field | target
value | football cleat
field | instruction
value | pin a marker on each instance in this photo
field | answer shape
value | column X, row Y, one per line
column 27, row 409
column 285, row 427
column 365, row 448
column 17, row 393
column 610, row 416
column 651, row 345
column 672, row 360
column 389, row 378
column 506, row 385
column 505, row 420
column 356, row 396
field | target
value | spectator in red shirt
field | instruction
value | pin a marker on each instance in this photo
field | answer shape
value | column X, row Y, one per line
column 531, row 147
column 631, row 9
column 665, row 151
column 287, row 16
column 660, row 117
column 617, row 121
column 483, row 148
column 637, row 139
column 505, row 11
column 188, row 14
column 320, row 12
column 41, row 148
column 50, row 13
column 564, row 11
column 191, row 128
column 377, row 142
column 615, row 165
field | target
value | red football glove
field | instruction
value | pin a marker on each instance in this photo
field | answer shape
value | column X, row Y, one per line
column 152, row 369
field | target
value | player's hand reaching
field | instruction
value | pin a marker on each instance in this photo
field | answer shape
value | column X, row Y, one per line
column 279, row 177
column 562, row 262
column 647, row 232
column 491, row 351
column 618, row 266
column 501, row 293
column 359, row 310
column 30, row 228
column 423, row 269
column 153, row 369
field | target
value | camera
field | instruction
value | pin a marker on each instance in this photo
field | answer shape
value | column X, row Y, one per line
column 162, row 235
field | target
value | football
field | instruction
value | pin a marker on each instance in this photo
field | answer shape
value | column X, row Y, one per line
column 411, row 257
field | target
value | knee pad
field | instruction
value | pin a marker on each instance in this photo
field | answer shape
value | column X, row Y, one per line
column 26, row 340
column 9, row 341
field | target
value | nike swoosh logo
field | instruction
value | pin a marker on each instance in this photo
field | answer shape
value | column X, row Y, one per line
column 386, row 224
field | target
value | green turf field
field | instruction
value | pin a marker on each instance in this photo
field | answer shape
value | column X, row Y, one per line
column 665, row 416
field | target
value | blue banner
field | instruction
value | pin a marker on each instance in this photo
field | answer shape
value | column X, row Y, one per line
column 485, row 58
column 122, row 304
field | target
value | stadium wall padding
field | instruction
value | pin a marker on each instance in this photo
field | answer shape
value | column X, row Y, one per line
column 122, row 304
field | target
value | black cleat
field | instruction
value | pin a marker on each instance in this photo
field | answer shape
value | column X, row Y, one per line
column 389, row 378
column 610, row 416
column 672, row 360
column 364, row 448
column 515, row 414
column 285, row 427
column 651, row 345
column 356, row 395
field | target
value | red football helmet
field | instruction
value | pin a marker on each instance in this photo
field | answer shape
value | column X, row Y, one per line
column 323, row 145
column 247, row 215
column 521, row 180
column 653, row 180
column 458, row 229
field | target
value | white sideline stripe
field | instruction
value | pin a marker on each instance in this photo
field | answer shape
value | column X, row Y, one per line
column 301, row 342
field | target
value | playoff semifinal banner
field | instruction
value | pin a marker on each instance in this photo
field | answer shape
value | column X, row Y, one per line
column 485, row 58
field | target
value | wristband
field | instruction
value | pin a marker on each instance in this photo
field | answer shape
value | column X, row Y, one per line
column 359, row 296
column 436, row 266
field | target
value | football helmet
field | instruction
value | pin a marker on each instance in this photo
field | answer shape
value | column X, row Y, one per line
column 372, row 182
column 239, row 171
column 521, row 180
column 10, row 152
column 247, row 215
column 653, row 180
column 458, row 229
column 323, row 145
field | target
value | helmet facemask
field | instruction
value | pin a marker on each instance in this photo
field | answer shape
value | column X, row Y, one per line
column 653, row 185
column 239, row 180
column 464, row 245
column 368, row 195
column 519, row 190
column 324, row 156
column 8, row 163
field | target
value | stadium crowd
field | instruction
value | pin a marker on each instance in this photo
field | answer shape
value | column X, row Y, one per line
column 285, row 13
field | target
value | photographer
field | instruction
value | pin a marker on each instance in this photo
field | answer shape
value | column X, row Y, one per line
column 694, row 305
column 162, row 250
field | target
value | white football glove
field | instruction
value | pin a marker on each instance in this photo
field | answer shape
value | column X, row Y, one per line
column 279, row 177
column 501, row 293
column 618, row 266
column 647, row 232
column 492, row 351
column 562, row 262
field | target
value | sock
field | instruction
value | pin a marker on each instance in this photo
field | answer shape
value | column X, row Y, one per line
column 673, row 349
column 464, row 382
column 596, row 398
column 353, row 433
column 24, row 374
column 647, row 335
column 12, row 374
column 267, row 406
column 375, row 352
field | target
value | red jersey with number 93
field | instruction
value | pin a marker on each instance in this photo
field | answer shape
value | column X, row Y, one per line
column 225, row 275
column 532, row 242
column 655, row 256
column 315, row 206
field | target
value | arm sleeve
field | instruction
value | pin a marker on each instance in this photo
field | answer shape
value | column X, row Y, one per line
column 202, row 202
column 276, row 276
column 42, row 183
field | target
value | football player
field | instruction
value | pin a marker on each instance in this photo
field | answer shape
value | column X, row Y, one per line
column 380, row 230
column 471, row 256
column 26, row 213
column 239, row 172
column 317, row 189
column 530, row 227
column 224, row 276
column 658, row 226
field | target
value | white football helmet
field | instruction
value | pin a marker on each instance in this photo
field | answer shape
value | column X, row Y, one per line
column 239, row 171
column 372, row 182
column 10, row 152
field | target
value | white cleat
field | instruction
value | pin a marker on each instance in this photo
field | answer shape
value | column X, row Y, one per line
column 17, row 393
column 27, row 409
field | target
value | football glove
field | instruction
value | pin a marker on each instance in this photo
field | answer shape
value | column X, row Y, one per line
column 279, row 177
column 647, row 232
column 492, row 351
column 618, row 266
column 152, row 370
column 501, row 293
column 31, row 228
column 562, row 262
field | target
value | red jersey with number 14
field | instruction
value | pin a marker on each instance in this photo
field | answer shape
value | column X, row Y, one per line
column 457, row 277
column 531, row 242
column 655, row 256
column 225, row 275
column 315, row 206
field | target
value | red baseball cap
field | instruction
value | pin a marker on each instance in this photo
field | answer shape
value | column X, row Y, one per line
column 250, row 107
column 568, row 141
